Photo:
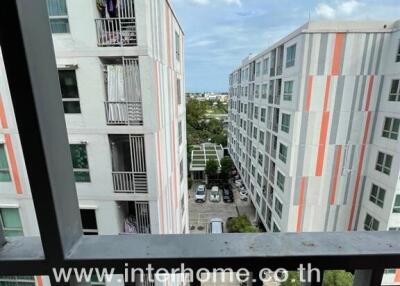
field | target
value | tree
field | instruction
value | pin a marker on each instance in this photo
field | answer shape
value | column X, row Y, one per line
column 226, row 167
column 337, row 277
column 293, row 279
column 240, row 224
column 212, row 168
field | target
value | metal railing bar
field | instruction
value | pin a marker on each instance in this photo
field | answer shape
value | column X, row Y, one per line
column 36, row 96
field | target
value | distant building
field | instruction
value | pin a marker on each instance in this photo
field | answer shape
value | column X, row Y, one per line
column 199, row 157
column 314, row 129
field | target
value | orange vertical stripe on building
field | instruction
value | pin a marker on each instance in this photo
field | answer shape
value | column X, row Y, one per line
column 300, row 209
column 3, row 119
column 359, row 169
column 309, row 93
column 369, row 92
column 338, row 155
column 327, row 92
column 39, row 281
column 337, row 54
column 13, row 163
column 322, row 143
column 397, row 276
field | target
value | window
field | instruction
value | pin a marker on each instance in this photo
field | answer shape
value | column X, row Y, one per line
column 288, row 90
column 80, row 162
column 254, row 152
column 285, row 125
column 258, row 69
column 58, row 16
column 69, row 91
column 257, row 91
column 290, row 56
column 263, row 113
column 11, row 222
column 280, row 181
column 278, row 207
column 265, row 66
column 264, row 89
column 255, row 112
column 396, row 207
column 391, row 128
column 398, row 54
column 89, row 222
column 394, row 94
column 282, row 152
column 4, row 170
column 370, row 223
column 377, row 195
column 17, row 281
column 260, row 158
column 276, row 228
column 177, row 46
column 180, row 140
column 255, row 132
column 259, row 179
column 181, row 170
column 178, row 90
column 261, row 137
column 384, row 163
column 253, row 170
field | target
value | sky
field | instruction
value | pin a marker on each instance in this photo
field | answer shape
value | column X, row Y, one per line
column 220, row 33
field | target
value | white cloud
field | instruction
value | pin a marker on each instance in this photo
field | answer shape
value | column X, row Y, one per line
column 339, row 10
column 206, row 2
column 348, row 7
column 325, row 11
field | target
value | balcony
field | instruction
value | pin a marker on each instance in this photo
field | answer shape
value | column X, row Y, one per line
column 128, row 163
column 135, row 217
column 117, row 28
column 62, row 244
column 123, row 105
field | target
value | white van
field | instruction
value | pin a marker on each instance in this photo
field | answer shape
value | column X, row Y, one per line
column 216, row 226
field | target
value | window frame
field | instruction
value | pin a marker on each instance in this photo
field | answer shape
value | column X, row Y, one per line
column 396, row 204
column 19, row 229
column 59, row 17
column 70, row 99
column 290, row 62
column 5, row 170
column 394, row 95
column 391, row 133
column 285, row 127
column 278, row 207
column 382, row 167
column 372, row 223
column 283, row 159
column 82, row 170
column 288, row 95
column 281, row 185
column 374, row 195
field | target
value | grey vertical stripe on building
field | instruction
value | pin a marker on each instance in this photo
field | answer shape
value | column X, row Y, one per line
column 371, row 57
column 353, row 102
column 362, row 92
column 322, row 53
column 362, row 191
column 327, row 213
column 304, row 125
column 336, row 109
column 379, row 58
column 349, row 175
column 365, row 51
column 343, row 53
column 335, row 222
column 378, row 103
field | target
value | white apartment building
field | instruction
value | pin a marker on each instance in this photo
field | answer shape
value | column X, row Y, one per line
column 121, row 70
column 314, row 129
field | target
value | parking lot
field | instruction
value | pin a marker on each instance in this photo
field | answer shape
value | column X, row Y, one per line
column 200, row 214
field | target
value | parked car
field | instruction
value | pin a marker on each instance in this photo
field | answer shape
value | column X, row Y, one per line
column 227, row 194
column 243, row 195
column 215, row 196
column 216, row 225
column 200, row 194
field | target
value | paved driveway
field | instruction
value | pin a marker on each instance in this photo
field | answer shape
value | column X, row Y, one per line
column 200, row 214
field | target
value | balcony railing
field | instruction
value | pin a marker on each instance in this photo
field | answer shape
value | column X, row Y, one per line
column 114, row 32
column 61, row 244
column 130, row 182
column 124, row 113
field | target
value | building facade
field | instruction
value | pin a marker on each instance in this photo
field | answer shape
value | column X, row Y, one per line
column 121, row 73
column 314, row 129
